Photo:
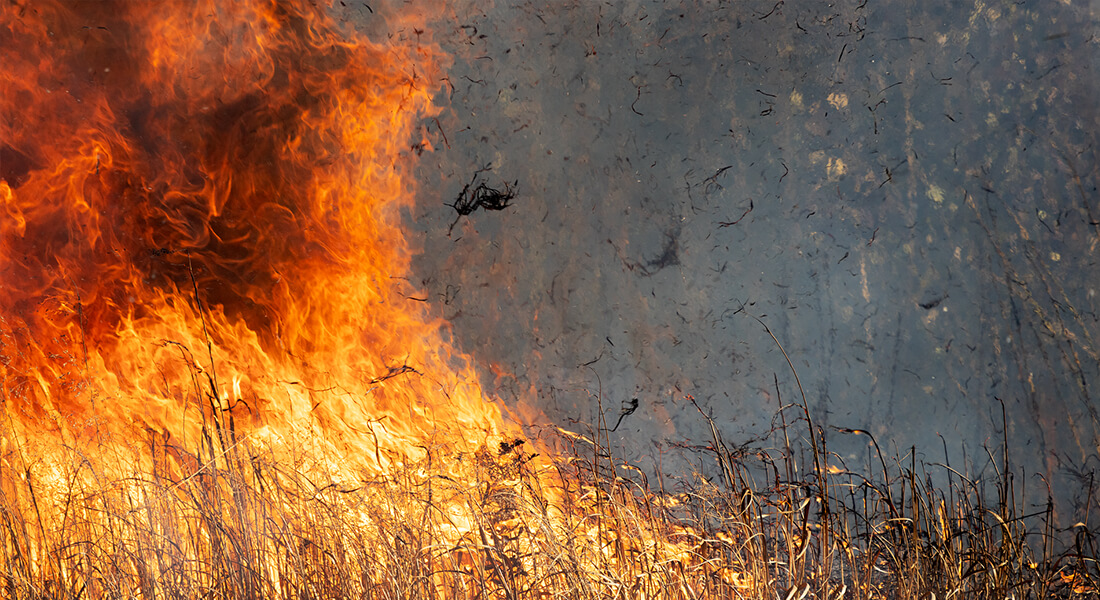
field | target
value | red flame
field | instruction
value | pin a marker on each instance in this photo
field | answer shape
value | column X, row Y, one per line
column 202, row 222
column 201, row 251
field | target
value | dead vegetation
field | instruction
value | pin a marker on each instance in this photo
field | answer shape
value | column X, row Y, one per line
column 234, row 520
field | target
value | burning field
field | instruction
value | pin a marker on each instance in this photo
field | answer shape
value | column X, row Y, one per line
column 218, row 380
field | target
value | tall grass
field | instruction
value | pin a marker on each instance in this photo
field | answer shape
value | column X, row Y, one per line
column 233, row 519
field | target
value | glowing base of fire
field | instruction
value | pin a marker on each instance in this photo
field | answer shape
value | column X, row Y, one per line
column 252, row 520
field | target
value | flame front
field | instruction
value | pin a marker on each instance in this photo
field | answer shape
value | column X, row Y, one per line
column 218, row 381
column 216, row 374
column 202, row 225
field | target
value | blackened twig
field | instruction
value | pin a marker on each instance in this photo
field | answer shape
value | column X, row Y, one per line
column 473, row 197
column 627, row 410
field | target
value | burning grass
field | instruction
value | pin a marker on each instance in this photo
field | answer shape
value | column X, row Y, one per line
column 216, row 385
column 247, row 520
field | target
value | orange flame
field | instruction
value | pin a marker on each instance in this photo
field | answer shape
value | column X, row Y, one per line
column 201, row 249
column 202, row 225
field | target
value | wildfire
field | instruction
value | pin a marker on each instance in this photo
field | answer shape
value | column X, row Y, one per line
column 212, row 360
column 218, row 382
column 202, row 232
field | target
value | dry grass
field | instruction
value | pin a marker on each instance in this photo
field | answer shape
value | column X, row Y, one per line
column 234, row 518
column 228, row 520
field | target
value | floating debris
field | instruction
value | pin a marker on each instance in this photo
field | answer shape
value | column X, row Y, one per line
column 479, row 195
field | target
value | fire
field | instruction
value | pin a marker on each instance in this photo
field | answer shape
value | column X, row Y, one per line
column 218, row 381
column 202, row 225
column 212, row 360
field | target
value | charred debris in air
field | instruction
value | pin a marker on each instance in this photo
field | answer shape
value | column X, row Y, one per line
column 478, row 194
